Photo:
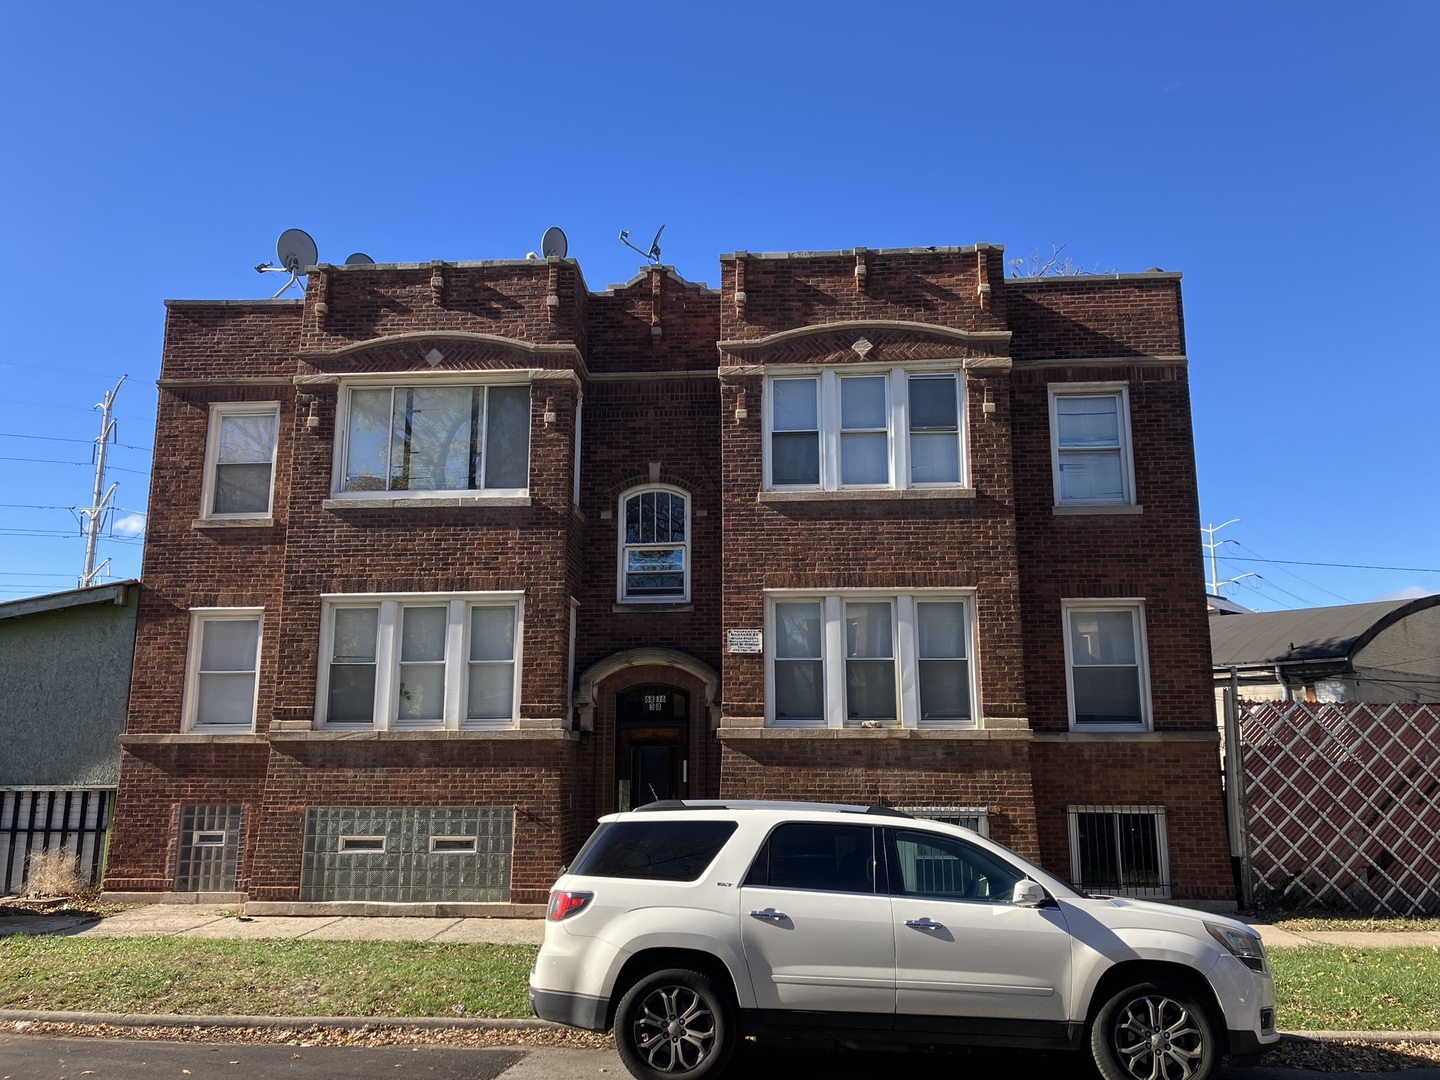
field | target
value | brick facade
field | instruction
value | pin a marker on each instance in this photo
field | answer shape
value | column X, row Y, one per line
column 666, row 386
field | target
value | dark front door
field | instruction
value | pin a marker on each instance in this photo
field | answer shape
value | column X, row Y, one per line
column 652, row 745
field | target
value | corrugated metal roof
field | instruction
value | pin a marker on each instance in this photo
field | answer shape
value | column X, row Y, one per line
column 1278, row 637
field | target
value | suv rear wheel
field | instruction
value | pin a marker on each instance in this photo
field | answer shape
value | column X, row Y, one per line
column 1154, row 1031
column 675, row 1024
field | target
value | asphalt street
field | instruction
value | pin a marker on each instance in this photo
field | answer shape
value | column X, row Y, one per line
column 38, row 1057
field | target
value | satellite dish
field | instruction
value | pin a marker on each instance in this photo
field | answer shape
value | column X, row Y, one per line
column 553, row 243
column 296, row 250
column 359, row 259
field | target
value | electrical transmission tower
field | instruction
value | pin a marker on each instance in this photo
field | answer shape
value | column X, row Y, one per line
column 94, row 517
column 1211, row 545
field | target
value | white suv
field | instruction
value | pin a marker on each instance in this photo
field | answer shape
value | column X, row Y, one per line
column 686, row 926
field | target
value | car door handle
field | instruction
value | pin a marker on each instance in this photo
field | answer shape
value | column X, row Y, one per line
column 770, row 914
column 925, row 924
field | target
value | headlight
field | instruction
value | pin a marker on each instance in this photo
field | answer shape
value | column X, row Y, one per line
column 1243, row 944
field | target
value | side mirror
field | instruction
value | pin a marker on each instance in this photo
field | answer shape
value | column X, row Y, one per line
column 1028, row 894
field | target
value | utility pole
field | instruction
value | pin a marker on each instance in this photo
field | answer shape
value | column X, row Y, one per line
column 93, row 516
column 1211, row 545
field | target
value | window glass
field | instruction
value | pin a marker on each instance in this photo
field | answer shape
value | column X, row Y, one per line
column 653, row 518
column 429, row 438
column 656, row 850
column 1119, row 851
column 864, row 438
column 422, row 663
column 1090, row 448
column 507, row 438
column 225, row 682
column 934, row 429
column 491, row 691
column 795, row 432
column 870, row 661
column 944, row 669
column 831, row 858
column 352, row 666
column 799, row 677
column 1106, row 672
column 243, row 463
column 946, row 868
column 1088, row 421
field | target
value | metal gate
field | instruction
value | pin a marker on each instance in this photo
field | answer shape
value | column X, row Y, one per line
column 1343, row 805
column 37, row 820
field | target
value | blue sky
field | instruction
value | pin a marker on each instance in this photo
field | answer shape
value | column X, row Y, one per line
column 1282, row 156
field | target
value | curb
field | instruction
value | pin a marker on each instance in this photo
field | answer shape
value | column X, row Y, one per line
column 298, row 1023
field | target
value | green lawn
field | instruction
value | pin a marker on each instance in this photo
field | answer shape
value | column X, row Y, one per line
column 1326, row 987
column 1318, row 986
column 263, row 978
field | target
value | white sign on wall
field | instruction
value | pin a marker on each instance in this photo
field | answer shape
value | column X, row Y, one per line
column 743, row 641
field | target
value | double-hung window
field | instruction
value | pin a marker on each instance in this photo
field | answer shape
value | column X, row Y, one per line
column 1090, row 444
column 434, row 437
column 869, row 429
column 1105, row 659
column 1120, row 850
column 222, row 669
column 420, row 661
column 654, row 546
column 870, row 659
column 240, row 459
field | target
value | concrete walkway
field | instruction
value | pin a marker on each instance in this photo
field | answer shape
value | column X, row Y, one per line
column 197, row 920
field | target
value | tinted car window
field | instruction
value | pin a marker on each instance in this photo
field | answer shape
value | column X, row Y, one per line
column 943, row 867
column 659, row 850
column 832, row 858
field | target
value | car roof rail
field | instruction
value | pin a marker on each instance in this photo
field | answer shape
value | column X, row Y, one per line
column 661, row 805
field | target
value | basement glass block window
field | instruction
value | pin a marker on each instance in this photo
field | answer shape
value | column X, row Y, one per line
column 1120, row 851
column 407, row 439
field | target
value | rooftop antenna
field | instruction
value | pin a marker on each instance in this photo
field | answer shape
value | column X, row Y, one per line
column 553, row 243
column 653, row 254
column 296, row 251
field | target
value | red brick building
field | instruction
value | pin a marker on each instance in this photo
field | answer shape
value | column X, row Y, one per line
column 446, row 560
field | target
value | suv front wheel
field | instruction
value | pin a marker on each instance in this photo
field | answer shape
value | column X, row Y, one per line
column 1154, row 1031
column 675, row 1024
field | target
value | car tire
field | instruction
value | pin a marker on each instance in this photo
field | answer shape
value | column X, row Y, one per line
column 675, row 1024
column 1155, row 1031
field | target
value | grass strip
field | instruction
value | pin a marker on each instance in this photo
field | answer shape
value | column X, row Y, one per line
column 173, row 975
column 1318, row 987
column 1325, row 987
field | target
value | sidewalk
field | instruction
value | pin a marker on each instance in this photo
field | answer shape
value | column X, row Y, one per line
column 217, row 921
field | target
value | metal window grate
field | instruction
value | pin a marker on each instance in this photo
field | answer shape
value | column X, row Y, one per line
column 974, row 818
column 1121, row 850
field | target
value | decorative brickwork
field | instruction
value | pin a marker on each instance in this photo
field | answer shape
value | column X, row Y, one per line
column 663, row 381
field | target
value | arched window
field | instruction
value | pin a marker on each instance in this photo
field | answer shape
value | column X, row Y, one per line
column 654, row 546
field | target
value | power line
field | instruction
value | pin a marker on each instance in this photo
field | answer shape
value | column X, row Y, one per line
column 1342, row 566
column 84, row 464
column 56, row 438
column 1297, row 577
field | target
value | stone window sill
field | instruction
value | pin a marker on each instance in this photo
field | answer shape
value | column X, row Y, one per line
column 233, row 523
column 642, row 609
column 866, row 495
column 1125, row 508
column 428, row 502
column 473, row 735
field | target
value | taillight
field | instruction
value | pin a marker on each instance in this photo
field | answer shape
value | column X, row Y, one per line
column 563, row 903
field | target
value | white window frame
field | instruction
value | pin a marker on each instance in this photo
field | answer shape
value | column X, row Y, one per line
column 427, row 381
column 199, row 619
column 621, row 597
column 1135, row 606
column 219, row 410
column 1120, row 392
column 906, row 638
column 897, row 392
column 1162, row 842
column 386, row 713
